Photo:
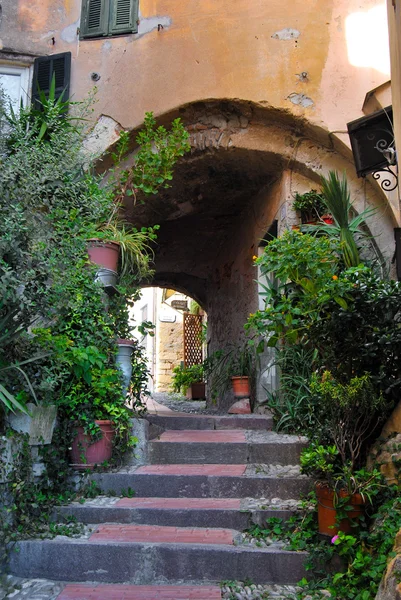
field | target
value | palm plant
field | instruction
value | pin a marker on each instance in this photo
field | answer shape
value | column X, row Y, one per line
column 337, row 199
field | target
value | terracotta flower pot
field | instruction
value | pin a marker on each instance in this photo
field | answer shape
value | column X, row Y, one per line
column 196, row 391
column 240, row 386
column 327, row 512
column 84, row 454
column 103, row 253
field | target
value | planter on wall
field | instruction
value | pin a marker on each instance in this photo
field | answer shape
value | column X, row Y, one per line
column 123, row 360
column 104, row 253
column 327, row 512
column 241, row 386
column 196, row 391
column 39, row 424
column 85, row 454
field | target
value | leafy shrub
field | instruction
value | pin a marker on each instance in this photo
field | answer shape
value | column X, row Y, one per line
column 183, row 377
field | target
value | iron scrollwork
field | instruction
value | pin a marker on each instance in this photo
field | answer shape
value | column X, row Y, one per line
column 389, row 152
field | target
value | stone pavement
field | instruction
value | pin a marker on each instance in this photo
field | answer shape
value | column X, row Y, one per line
column 15, row 588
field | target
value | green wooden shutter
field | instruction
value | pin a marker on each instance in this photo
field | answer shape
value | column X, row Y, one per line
column 43, row 70
column 94, row 18
column 123, row 16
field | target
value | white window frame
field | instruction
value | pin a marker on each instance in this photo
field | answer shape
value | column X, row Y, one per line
column 25, row 72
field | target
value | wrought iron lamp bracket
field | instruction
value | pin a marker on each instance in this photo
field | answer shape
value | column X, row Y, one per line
column 390, row 154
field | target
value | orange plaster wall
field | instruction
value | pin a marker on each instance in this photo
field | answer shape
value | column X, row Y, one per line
column 207, row 49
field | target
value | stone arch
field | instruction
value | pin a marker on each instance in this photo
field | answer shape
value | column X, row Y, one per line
column 247, row 160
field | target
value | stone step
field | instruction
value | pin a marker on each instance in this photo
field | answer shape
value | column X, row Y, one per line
column 206, row 481
column 231, row 446
column 143, row 555
column 231, row 513
column 192, row 421
column 86, row 591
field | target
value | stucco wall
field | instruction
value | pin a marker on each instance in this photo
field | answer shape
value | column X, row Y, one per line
column 284, row 53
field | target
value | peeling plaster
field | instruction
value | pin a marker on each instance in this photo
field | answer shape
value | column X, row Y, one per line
column 105, row 133
column 149, row 24
column 300, row 100
column 69, row 34
column 286, row 34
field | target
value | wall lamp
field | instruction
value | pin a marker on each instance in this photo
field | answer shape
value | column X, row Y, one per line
column 373, row 147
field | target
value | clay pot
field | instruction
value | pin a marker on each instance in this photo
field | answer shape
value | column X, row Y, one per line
column 103, row 253
column 327, row 512
column 240, row 386
column 84, row 454
column 196, row 391
column 123, row 360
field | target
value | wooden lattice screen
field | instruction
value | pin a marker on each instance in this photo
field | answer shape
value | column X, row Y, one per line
column 192, row 339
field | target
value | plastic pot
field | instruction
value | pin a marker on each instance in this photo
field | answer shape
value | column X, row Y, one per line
column 196, row 391
column 103, row 253
column 84, row 454
column 327, row 513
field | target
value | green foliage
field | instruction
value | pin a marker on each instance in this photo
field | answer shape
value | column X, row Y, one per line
column 159, row 150
column 311, row 205
column 183, row 377
column 349, row 567
column 325, row 464
column 291, row 405
column 347, row 413
column 337, row 199
column 235, row 361
column 136, row 251
column 307, row 269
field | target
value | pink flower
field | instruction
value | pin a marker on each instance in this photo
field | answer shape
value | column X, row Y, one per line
column 333, row 539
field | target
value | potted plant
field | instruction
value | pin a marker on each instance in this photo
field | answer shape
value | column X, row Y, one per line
column 95, row 404
column 311, row 205
column 342, row 492
column 233, row 369
column 347, row 413
column 189, row 381
column 242, row 367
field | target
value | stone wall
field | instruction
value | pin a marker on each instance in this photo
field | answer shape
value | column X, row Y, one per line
column 170, row 353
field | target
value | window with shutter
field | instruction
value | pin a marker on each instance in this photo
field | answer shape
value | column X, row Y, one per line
column 108, row 17
column 44, row 68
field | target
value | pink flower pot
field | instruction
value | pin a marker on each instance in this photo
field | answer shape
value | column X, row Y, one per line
column 105, row 254
column 84, row 454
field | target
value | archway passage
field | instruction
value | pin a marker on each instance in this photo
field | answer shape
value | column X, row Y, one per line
column 177, row 337
column 241, row 175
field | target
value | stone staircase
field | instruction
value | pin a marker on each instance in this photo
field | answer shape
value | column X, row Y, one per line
column 207, row 478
